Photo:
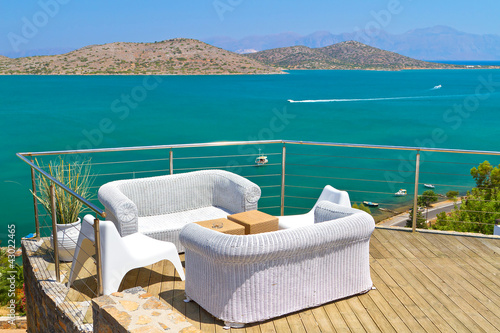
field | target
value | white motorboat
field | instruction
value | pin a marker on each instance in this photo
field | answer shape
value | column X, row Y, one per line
column 401, row 193
column 261, row 159
column 429, row 186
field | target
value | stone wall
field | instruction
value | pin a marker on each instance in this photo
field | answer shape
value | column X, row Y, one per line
column 47, row 310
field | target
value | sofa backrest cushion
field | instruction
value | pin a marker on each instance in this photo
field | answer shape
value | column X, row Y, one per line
column 170, row 194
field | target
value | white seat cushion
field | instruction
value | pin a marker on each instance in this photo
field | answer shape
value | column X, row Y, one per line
column 175, row 221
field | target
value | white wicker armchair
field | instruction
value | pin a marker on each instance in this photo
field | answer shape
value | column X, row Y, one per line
column 160, row 206
column 251, row 278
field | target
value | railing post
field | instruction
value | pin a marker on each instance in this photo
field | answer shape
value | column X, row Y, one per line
column 171, row 160
column 98, row 262
column 35, row 203
column 415, row 195
column 283, row 160
column 55, row 244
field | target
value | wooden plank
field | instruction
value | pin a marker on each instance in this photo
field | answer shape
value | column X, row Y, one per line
column 385, row 244
column 483, row 280
column 249, row 328
column 336, row 318
column 130, row 279
column 295, row 323
column 492, row 244
column 456, row 248
column 476, row 247
column 399, row 241
column 207, row 322
column 267, row 327
column 374, row 252
column 309, row 321
column 154, row 285
column 143, row 277
column 445, row 295
column 378, row 317
column 281, row 325
column 410, row 240
column 167, row 284
column 178, row 292
column 361, row 312
column 384, row 253
column 395, row 303
column 387, row 311
column 483, row 301
column 438, row 241
column 423, row 238
column 350, row 318
column 322, row 319
column 415, row 311
column 461, row 296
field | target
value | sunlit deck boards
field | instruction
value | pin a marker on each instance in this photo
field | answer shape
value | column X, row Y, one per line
column 425, row 283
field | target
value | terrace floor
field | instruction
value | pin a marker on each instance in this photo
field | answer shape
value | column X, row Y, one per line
column 425, row 282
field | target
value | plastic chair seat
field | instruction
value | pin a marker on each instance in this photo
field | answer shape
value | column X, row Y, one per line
column 120, row 254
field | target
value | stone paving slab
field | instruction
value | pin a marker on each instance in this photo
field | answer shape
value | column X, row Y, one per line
column 134, row 310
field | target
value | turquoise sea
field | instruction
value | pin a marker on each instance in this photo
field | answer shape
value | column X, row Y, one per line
column 443, row 108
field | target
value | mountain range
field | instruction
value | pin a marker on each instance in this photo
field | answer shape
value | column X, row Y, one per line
column 193, row 57
column 435, row 43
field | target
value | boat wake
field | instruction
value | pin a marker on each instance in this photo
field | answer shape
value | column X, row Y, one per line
column 437, row 87
column 357, row 99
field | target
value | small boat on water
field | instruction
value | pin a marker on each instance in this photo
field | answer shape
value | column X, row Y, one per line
column 400, row 193
column 261, row 159
column 370, row 204
column 429, row 186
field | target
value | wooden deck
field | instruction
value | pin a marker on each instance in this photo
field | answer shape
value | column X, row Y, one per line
column 424, row 283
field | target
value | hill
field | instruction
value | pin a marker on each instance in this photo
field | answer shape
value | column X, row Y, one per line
column 433, row 43
column 345, row 55
column 175, row 56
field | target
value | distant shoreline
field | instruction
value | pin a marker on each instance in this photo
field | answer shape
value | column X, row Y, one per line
column 284, row 71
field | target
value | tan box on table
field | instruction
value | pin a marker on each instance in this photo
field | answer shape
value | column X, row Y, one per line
column 255, row 222
column 223, row 225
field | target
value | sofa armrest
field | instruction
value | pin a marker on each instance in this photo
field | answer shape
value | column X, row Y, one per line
column 327, row 210
column 235, row 193
column 119, row 209
column 279, row 245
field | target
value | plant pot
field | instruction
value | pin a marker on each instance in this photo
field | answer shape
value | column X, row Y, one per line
column 67, row 238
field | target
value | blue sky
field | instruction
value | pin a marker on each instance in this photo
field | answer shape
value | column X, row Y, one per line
column 44, row 24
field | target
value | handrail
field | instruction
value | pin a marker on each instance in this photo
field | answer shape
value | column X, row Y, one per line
column 157, row 147
column 96, row 209
column 236, row 143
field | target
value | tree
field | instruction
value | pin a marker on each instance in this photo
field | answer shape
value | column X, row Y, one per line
column 421, row 221
column 426, row 199
column 452, row 195
column 481, row 206
column 362, row 207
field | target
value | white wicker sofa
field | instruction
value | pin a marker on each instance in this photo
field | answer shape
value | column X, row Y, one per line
column 251, row 278
column 160, row 206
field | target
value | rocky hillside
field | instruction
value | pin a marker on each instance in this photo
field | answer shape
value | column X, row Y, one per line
column 345, row 55
column 175, row 56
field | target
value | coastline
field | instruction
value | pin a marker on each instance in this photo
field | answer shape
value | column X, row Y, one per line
column 284, row 71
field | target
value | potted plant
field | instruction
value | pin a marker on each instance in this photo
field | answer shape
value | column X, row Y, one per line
column 77, row 177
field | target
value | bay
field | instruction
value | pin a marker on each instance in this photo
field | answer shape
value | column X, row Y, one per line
column 444, row 108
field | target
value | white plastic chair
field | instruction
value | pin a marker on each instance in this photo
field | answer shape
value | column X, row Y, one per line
column 120, row 254
column 329, row 193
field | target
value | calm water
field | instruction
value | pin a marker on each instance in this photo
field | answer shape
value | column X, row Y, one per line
column 461, row 108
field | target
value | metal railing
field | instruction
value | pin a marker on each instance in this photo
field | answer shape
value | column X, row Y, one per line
column 328, row 168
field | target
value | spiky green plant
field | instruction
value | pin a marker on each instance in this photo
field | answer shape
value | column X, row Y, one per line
column 77, row 177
